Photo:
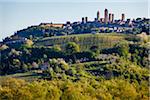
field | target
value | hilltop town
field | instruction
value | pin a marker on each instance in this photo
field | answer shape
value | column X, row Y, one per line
column 106, row 24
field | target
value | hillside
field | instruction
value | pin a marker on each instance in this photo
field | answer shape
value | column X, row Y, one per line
column 85, row 41
column 76, row 67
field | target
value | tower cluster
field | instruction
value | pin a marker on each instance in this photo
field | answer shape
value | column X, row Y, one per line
column 108, row 17
column 84, row 19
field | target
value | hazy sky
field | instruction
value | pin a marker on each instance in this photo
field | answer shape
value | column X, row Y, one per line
column 18, row 14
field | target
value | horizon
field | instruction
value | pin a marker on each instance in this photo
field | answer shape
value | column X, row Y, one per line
column 17, row 15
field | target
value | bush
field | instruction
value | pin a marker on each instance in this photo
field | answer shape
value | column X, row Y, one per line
column 123, row 49
column 72, row 48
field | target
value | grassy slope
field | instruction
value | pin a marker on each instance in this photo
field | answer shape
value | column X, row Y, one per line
column 29, row 76
column 102, row 40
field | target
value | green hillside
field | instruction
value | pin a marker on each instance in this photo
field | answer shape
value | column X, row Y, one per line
column 84, row 40
column 76, row 67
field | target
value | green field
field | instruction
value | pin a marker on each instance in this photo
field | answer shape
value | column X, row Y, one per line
column 102, row 40
column 28, row 76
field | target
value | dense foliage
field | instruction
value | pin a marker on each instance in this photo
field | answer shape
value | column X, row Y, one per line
column 85, row 67
column 85, row 89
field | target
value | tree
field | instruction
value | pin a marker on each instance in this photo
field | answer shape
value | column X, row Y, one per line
column 123, row 49
column 24, row 67
column 56, row 48
column 72, row 48
column 14, row 52
column 54, row 63
column 136, row 30
column 46, row 34
column 95, row 49
column 28, row 44
column 3, row 47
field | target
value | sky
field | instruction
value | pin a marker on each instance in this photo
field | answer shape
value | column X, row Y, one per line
column 19, row 14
